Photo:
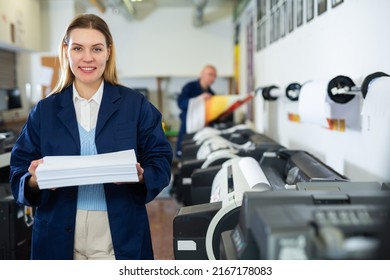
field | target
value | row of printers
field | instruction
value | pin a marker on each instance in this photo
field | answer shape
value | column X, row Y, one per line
column 246, row 197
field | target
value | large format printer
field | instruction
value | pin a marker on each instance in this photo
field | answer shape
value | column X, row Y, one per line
column 197, row 229
column 220, row 128
column 222, row 138
column 240, row 142
column 283, row 169
column 215, row 151
column 325, row 224
column 227, row 135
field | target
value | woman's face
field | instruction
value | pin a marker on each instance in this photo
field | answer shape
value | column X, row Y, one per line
column 88, row 54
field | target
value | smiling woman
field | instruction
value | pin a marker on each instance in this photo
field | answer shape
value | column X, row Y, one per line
column 87, row 43
column 90, row 113
column 88, row 54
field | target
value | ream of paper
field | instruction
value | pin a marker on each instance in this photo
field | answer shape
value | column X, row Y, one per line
column 64, row 171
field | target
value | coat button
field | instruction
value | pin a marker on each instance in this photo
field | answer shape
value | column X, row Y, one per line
column 68, row 229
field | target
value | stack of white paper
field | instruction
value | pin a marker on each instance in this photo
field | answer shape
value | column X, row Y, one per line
column 62, row 171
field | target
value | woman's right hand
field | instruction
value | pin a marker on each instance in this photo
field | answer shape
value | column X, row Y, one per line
column 32, row 170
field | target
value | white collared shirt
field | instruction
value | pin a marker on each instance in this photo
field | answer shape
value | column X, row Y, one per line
column 87, row 110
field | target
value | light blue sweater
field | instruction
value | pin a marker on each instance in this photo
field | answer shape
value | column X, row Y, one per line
column 90, row 197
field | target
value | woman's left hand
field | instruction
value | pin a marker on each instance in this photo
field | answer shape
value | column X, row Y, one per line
column 140, row 173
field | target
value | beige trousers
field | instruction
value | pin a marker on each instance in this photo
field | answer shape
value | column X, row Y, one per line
column 92, row 240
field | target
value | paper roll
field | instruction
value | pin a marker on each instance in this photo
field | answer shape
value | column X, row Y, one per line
column 254, row 175
column 316, row 107
column 377, row 101
column 312, row 105
column 376, row 129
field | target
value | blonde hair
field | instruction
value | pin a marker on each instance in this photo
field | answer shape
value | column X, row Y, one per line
column 88, row 21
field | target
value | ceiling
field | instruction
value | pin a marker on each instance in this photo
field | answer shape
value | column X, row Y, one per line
column 136, row 10
column 164, row 3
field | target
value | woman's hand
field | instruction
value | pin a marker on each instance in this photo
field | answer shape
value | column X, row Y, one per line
column 33, row 182
column 140, row 173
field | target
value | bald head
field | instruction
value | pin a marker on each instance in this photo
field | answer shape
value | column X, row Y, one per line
column 208, row 76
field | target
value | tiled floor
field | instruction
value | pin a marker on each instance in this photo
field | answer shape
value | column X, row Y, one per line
column 161, row 212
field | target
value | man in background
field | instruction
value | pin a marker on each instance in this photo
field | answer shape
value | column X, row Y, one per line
column 199, row 87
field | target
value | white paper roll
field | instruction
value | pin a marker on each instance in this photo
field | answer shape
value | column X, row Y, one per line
column 254, row 175
column 312, row 105
column 376, row 130
column 377, row 101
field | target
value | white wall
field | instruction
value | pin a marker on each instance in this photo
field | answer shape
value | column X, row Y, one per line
column 56, row 15
column 350, row 39
column 166, row 43
column 24, row 16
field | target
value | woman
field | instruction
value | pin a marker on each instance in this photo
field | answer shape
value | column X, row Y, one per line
column 89, row 113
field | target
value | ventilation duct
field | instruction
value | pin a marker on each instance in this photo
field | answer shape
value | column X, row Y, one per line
column 199, row 12
column 130, row 7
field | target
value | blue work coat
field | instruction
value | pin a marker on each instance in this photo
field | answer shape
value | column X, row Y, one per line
column 126, row 120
